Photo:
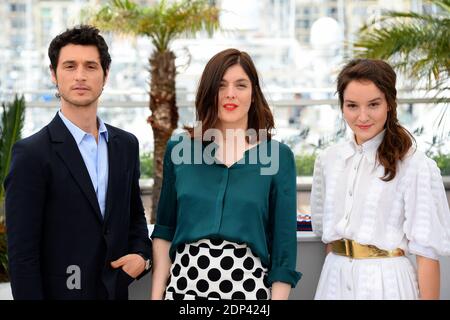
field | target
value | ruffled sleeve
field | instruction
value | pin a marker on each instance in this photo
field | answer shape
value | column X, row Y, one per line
column 317, row 197
column 427, row 216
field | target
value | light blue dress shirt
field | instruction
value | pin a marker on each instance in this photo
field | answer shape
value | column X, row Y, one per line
column 95, row 156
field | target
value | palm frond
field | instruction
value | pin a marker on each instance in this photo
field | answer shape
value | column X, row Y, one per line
column 116, row 16
column 443, row 4
column 162, row 22
column 12, row 121
column 416, row 44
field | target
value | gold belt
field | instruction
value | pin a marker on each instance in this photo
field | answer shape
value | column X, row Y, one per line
column 353, row 249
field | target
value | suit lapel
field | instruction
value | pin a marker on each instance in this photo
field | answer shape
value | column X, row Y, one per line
column 113, row 170
column 67, row 149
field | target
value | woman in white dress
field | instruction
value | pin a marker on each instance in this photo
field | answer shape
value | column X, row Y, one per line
column 375, row 198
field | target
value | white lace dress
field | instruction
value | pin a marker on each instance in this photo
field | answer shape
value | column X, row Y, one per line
column 348, row 200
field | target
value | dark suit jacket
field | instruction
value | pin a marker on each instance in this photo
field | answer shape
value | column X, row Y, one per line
column 54, row 221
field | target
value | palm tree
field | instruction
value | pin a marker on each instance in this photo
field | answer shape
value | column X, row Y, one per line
column 162, row 23
column 416, row 44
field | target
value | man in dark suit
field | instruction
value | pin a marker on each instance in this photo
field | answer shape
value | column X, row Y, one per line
column 75, row 220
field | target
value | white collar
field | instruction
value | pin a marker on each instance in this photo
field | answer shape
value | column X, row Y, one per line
column 369, row 148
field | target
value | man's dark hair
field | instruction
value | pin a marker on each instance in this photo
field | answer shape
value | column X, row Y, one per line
column 82, row 35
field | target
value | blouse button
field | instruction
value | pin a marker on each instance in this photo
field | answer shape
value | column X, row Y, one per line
column 350, row 193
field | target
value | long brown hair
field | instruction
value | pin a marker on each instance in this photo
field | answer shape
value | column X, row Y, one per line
column 206, row 101
column 397, row 140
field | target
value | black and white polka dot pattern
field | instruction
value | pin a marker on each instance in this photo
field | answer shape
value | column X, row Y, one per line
column 216, row 269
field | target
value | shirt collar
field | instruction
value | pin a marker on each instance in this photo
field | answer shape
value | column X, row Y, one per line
column 102, row 128
column 369, row 148
column 77, row 133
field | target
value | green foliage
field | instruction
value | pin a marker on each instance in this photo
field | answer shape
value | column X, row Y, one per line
column 3, row 257
column 161, row 22
column 415, row 43
column 11, row 124
column 304, row 164
column 443, row 162
column 146, row 165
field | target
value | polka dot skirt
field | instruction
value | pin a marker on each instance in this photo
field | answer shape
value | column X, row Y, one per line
column 216, row 269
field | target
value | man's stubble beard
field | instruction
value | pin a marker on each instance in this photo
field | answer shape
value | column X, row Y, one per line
column 81, row 104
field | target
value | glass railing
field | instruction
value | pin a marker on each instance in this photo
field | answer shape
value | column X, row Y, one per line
column 307, row 120
column 306, row 125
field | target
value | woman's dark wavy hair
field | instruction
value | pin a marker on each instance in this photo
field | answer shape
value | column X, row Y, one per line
column 397, row 140
column 206, row 101
column 83, row 35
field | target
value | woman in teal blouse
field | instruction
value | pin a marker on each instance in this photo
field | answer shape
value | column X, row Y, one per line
column 226, row 222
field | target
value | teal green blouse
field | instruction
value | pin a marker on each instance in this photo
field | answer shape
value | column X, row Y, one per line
column 253, row 201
